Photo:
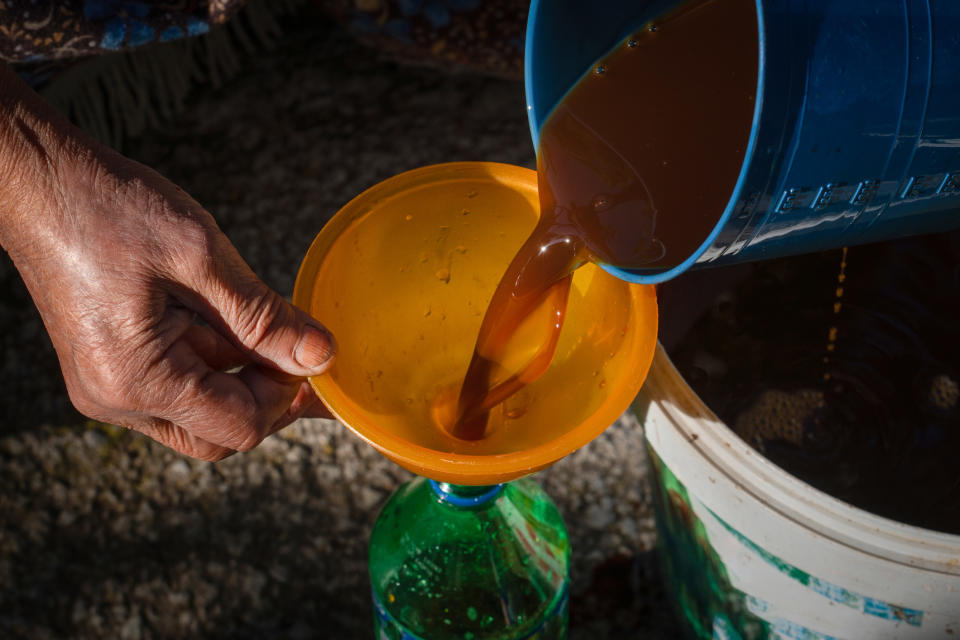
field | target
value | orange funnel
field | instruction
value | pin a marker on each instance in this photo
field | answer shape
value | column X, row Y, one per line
column 402, row 276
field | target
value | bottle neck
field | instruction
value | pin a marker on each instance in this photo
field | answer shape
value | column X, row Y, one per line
column 459, row 495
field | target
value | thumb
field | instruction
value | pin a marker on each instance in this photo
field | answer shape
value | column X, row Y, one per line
column 264, row 325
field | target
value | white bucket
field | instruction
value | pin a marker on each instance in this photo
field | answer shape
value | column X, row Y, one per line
column 753, row 552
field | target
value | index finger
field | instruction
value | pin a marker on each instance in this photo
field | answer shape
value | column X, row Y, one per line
column 232, row 410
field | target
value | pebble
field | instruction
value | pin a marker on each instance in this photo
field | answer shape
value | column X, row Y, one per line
column 178, row 470
column 132, row 628
column 628, row 528
column 369, row 498
column 598, row 517
column 94, row 438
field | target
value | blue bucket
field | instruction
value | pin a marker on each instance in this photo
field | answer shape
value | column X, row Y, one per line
column 856, row 128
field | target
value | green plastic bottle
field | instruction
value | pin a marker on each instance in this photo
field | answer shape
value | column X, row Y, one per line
column 471, row 563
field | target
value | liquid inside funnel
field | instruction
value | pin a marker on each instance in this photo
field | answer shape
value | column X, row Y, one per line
column 402, row 276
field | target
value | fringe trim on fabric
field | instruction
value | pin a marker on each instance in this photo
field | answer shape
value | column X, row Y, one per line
column 117, row 96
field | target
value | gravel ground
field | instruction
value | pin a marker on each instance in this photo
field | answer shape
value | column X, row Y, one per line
column 104, row 534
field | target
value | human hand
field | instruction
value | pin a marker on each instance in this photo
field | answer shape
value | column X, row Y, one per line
column 147, row 303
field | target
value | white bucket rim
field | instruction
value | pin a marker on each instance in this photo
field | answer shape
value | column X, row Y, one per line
column 794, row 499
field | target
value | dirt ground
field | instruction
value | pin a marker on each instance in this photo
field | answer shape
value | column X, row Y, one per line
column 104, row 534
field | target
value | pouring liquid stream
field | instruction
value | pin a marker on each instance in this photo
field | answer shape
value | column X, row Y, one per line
column 614, row 166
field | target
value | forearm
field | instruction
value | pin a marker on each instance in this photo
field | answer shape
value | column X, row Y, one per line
column 35, row 141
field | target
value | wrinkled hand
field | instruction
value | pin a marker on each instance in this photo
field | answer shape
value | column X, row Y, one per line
column 149, row 306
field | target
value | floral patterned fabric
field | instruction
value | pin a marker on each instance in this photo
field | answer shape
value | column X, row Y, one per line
column 483, row 35
column 34, row 30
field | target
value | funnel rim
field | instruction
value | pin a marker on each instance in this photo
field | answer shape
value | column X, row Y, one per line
column 465, row 468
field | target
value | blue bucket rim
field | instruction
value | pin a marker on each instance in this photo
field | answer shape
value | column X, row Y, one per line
column 660, row 276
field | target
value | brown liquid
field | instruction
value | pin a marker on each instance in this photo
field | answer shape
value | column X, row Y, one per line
column 635, row 166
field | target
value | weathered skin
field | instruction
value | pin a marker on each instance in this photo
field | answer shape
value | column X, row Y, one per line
column 149, row 306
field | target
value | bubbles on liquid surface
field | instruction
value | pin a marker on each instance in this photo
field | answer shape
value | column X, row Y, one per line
column 601, row 202
column 633, row 43
column 600, row 69
column 650, row 249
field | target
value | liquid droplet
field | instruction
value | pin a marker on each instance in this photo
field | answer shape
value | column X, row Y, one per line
column 408, row 217
column 443, row 274
column 513, row 414
column 427, row 312
column 651, row 249
column 472, row 194
column 423, row 256
column 461, row 248
column 471, row 613
column 464, row 212
column 601, row 202
column 603, row 383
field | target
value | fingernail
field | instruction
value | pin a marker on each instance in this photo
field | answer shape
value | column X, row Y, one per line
column 315, row 348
